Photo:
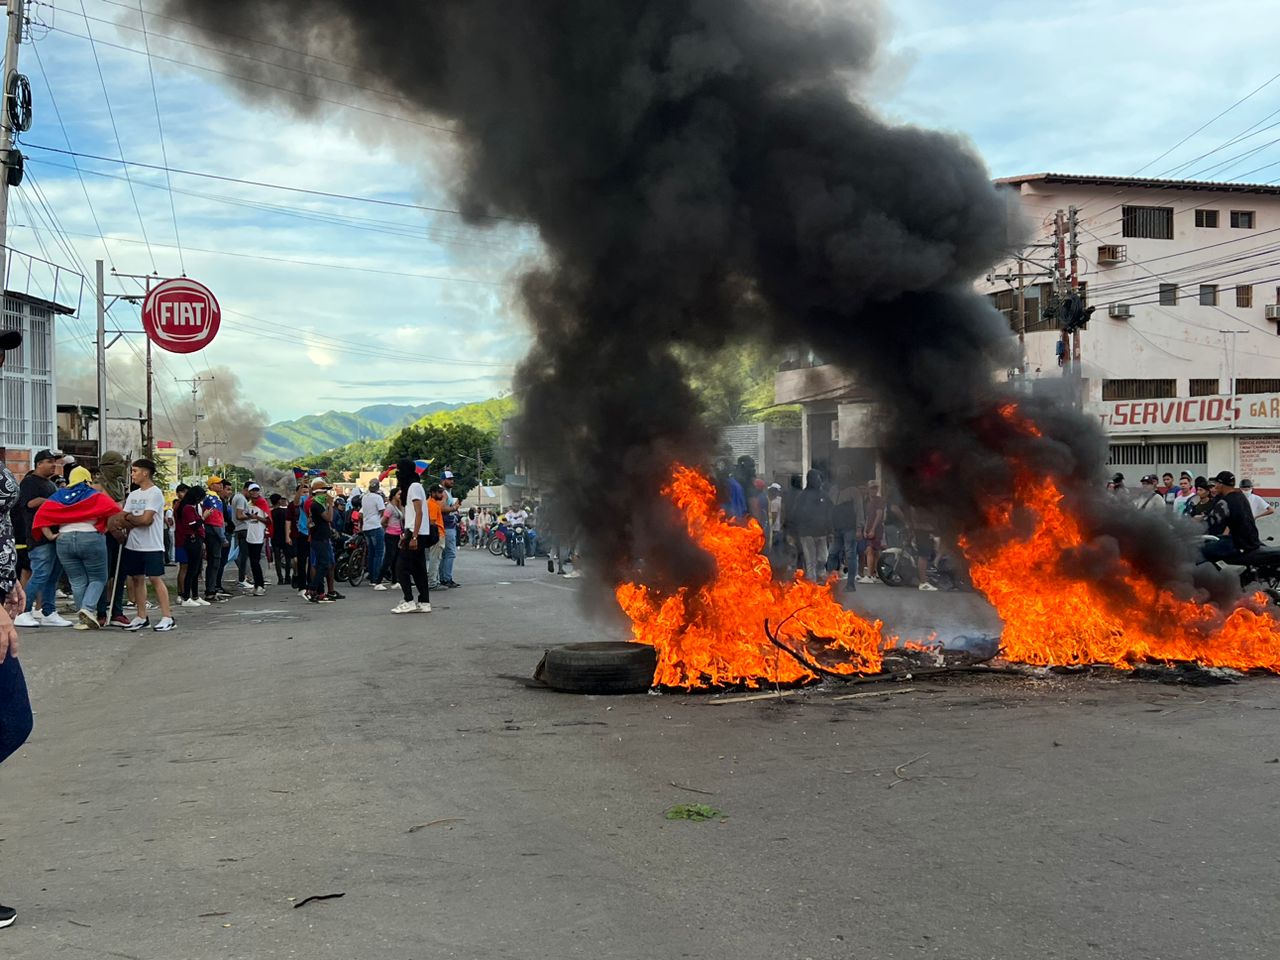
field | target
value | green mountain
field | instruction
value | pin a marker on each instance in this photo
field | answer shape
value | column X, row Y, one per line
column 290, row 439
column 487, row 415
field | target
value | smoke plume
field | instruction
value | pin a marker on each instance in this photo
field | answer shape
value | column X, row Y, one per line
column 701, row 171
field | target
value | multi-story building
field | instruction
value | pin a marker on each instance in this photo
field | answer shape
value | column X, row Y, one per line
column 1180, row 362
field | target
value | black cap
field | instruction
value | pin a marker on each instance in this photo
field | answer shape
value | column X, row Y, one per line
column 1246, row 484
column 1150, row 478
column 1202, row 483
column 1118, row 478
column 44, row 455
column 1226, row 478
column 10, row 339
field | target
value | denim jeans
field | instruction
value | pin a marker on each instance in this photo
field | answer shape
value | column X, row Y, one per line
column 844, row 545
column 46, row 571
column 15, row 707
column 815, row 558
column 321, row 563
column 84, row 556
column 214, row 543
column 449, row 554
column 375, row 542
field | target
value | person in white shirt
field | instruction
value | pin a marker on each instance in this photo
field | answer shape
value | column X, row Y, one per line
column 411, row 561
column 254, row 526
column 1260, row 506
column 372, row 522
column 143, row 558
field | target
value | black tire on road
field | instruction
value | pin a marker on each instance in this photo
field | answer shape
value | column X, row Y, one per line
column 495, row 547
column 602, row 667
column 356, row 566
column 517, row 552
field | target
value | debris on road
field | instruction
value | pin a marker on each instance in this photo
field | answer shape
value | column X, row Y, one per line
column 697, row 812
column 681, row 786
column 436, row 823
column 318, row 896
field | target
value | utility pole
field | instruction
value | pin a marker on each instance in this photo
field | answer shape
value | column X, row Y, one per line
column 195, row 411
column 102, row 363
column 1059, row 285
column 10, row 159
column 1231, row 361
column 1078, row 385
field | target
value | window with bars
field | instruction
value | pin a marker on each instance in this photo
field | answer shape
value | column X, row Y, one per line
column 1242, row 219
column 1139, row 389
column 1258, row 385
column 1207, row 218
column 1244, row 295
column 1171, row 457
column 1204, row 388
column 1154, row 223
column 1208, row 294
column 1168, row 294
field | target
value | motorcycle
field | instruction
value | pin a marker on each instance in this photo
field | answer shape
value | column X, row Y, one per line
column 1259, row 569
column 351, row 560
column 900, row 567
column 517, row 544
column 497, row 544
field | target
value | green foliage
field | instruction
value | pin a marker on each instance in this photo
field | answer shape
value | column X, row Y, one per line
column 487, row 415
column 697, row 812
column 735, row 383
column 451, row 446
column 353, row 457
column 234, row 475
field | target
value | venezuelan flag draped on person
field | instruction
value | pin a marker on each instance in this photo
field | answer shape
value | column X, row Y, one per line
column 78, row 502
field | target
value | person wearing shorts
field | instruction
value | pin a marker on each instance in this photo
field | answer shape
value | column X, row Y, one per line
column 144, row 551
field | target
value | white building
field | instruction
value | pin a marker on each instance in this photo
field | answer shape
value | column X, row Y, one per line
column 1181, row 359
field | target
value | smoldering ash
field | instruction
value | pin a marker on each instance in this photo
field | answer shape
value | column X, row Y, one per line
column 698, row 171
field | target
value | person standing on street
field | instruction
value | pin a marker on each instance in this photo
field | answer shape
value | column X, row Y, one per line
column 813, row 526
column 75, row 518
column 372, row 521
column 215, row 541
column 415, row 540
column 449, row 507
column 144, row 551
column 393, row 525
column 281, row 539
column 256, row 520
column 112, row 470
column 37, row 487
column 1259, row 506
column 320, row 529
column 240, row 514
column 189, row 534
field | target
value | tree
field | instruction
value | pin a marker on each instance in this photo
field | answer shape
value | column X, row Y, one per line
column 451, row 446
column 734, row 383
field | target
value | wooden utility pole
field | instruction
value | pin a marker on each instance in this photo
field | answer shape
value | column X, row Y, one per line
column 10, row 158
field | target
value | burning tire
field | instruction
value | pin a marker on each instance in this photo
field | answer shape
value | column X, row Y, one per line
column 897, row 568
column 603, row 667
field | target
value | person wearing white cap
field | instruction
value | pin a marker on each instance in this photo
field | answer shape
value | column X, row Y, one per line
column 254, row 526
column 449, row 552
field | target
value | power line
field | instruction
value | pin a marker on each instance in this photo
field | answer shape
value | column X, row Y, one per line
column 276, row 186
column 116, row 133
column 164, row 151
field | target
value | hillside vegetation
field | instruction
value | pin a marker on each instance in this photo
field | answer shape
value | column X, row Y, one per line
column 313, row 434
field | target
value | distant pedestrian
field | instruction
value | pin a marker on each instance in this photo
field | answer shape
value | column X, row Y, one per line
column 372, row 524
column 281, row 540
column 813, row 525
column 393, row 525
column 320, row 526
column 876, row 510
column 37, row 487
column 144, row 550
column 1261, row 508
column 257, row 518
column 75, row 518
column 1149, row 497
column 189, row 534
column 215, row 541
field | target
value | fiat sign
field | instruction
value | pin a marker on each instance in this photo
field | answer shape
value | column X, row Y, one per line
column 181, row 316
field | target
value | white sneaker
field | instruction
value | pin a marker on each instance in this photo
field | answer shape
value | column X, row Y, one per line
column 572, row 574
column 27, row 619
column 165, row 625
column 245, row 585
column 407, row 606
column 188, row 603
column 151, row 604
column 260, row 591
column 379, row 586
column 303, row 594
column 88, row 620
column 202, row 602
column 137, row 623
column 422, row 608
column 56, row 619
column 928, row 588
column 865, row 579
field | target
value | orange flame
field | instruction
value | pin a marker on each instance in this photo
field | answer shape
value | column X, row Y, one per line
column 713, row 635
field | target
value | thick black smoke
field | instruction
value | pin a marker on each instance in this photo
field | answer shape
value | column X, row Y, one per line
column 699, row 171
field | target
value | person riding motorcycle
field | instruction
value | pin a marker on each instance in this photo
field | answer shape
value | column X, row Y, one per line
column 1230, row 519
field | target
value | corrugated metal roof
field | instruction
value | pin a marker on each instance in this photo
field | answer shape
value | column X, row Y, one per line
column 1095, row 180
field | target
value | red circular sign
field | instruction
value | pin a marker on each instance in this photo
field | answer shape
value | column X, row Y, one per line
column 181, row 316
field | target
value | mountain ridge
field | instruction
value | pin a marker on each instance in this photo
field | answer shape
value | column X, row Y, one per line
column 314, row 433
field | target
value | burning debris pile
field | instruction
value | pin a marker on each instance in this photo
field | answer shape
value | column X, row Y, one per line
column 706, row 171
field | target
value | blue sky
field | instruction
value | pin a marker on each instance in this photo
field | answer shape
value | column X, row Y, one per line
column 412, row 306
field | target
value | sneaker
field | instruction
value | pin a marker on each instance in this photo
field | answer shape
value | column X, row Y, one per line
column 572, row 575
column 137, row 623
column 27, row 619
column 120, row 620
column 7, row 915
column 189, row 603
column 165, row 625
column 421, row 607
column 245, row 585
column 408, row 606
column 259, row 591
column 304, row 595
column 452, row 583
column 928, row 588
column 56, row 619
column 335, row 596
column 88, row 620
column 63, row 595
column 325, row 598
column 379, row 586
column 202, row 602
column 865, row 579
column 151, row 604
column 79, row 626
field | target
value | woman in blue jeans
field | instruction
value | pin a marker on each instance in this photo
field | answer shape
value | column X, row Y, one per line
column 80, row 511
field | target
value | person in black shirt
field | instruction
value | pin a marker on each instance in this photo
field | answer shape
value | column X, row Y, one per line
column 320, row 508
column 1231, row 520
column 37, row 487
column 281, row 541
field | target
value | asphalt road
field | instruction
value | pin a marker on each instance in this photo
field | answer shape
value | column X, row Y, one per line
column 183, row 793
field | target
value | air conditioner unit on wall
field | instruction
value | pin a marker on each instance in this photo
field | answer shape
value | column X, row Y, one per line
column 1273, row 311
column 1113, row 253
column 1119, row 311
